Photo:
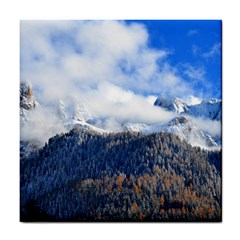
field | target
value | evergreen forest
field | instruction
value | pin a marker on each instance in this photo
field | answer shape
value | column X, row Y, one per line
column 84, row 176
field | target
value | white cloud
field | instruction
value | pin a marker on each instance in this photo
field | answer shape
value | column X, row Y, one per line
column 192, row 100
column 210, row 126
column 57, row 55
column 123, row 105
column 215, row 50
column 43, row 124
column 110, row 38
column 151, row 99
column 105, row 65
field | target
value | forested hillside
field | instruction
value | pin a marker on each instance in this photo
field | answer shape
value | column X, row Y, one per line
column 87, row 176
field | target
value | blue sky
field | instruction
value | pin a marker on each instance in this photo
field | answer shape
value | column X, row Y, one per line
column 195, row 43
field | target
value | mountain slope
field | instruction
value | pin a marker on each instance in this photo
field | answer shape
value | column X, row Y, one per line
column 208, row 111
column 208, row 108
column 87, row 176
column 172, row 104
column 27, row 102
column 181, row 126
column 68, row 114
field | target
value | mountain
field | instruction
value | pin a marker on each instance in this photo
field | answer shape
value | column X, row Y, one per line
column 87, row 176
column 144, row 172
column 73, row 110
column 27, row 101
column 68, row 114
column 172, row 104
column 28, row 104
column 208, row 108
column 181, row 126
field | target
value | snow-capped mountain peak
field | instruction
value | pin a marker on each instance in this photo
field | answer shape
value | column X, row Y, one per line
column 181, row 126
column 208, row 108
column 67, row 114
column 73, row 110
column 171, row 103
column 27, row 99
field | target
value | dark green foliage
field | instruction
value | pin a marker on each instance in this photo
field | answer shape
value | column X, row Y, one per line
column 85, row 176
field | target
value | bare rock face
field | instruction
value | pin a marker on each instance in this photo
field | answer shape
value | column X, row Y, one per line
column 27, row 100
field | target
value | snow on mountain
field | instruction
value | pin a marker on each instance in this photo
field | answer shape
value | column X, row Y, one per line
column 28, row 104
column 27, row 100
column 75, row 115
column 26, row 148
column 41, row 121
column 181, row 126
column 207, row 108
column 72, row 123
column 172, row 104
column 73, row 110
column 69, row 114
column 185, row 128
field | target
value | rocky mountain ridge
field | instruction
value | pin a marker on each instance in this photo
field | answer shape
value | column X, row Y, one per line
column 72, row 114
column 208, row 108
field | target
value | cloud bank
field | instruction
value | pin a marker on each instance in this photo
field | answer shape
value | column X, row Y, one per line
column 67, row 57
column 212, row 127
column 106, row 66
